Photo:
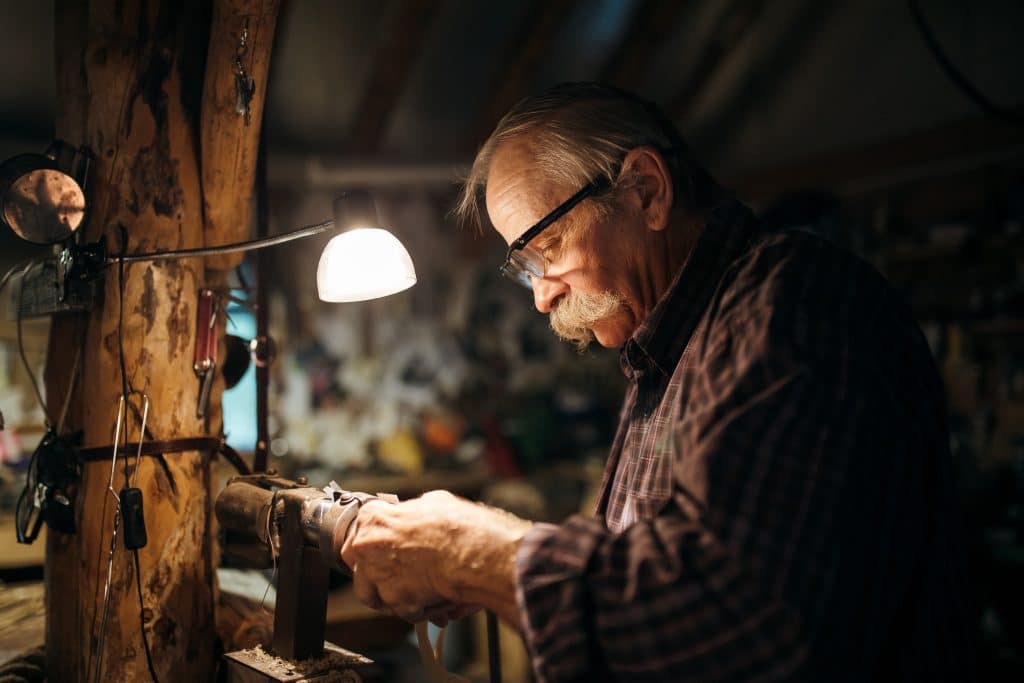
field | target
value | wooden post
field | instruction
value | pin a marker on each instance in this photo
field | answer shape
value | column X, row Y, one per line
column 230, row 141
column 130, row 76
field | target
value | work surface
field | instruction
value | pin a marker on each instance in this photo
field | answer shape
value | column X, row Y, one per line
column 22, row 618
column 22, row 621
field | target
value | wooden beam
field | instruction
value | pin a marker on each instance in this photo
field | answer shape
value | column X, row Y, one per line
column 650, row 27
column 134, row 69
column 730, row 30
column 394, row 61
column 229, row 140
column 951, row 147
column 524, row 52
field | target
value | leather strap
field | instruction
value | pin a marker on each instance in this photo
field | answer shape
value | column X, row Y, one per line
column 152, row 448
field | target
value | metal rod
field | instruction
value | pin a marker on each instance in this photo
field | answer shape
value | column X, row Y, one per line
column 261, row 452
column 307, row 231
column 493, row 647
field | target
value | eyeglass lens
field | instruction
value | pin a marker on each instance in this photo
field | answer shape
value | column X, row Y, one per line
column 523, row 265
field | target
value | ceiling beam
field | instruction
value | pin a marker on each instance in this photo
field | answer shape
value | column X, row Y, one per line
column 730, row 30
column 394, row 61
column 945, row 149
column 528, row 46
column 650, row 26
column 301, row 172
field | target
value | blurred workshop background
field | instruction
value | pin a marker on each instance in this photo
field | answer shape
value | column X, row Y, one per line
column 833, row 115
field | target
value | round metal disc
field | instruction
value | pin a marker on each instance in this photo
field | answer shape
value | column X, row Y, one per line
column 43, row 206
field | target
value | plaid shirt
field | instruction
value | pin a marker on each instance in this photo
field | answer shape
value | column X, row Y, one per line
column 778, row 503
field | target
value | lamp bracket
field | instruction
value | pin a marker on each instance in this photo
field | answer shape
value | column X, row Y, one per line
column 63, row 283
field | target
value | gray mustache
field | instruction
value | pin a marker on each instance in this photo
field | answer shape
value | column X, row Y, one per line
column 573, row 316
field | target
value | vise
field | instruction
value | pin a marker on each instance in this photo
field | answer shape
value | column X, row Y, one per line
column 272, row 521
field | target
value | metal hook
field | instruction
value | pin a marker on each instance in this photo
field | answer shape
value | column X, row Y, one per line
column 142, row 436
column 122, row 421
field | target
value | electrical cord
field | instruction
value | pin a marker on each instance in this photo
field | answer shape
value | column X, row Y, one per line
column 26, row 503
column 21, row 344
column 71, row 388
column 120, row 326
column 3, row 283
column 27, row 527
column 124, row 393
column 240, row 274
column 954, row 74
column 7, row 276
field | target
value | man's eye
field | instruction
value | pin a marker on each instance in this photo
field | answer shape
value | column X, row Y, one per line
column 548, row 247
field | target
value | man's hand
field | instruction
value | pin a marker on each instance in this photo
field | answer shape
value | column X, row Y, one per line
column 435, row 557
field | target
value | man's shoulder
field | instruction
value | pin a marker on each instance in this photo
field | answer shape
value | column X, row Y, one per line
column 797, row 285
column 804, row 254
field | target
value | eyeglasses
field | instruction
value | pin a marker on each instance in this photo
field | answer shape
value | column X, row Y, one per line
column 523, row 264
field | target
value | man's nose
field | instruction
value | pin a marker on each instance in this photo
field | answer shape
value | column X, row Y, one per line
column 546, row 291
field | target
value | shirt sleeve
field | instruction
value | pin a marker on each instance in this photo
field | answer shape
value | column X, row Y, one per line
column 730, row 579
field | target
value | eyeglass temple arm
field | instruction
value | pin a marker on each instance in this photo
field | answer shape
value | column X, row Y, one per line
column 594, row 186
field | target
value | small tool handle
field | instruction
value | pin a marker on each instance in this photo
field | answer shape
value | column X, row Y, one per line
column 206, row 338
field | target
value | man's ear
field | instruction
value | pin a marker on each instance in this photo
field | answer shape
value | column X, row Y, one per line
column 652, row 185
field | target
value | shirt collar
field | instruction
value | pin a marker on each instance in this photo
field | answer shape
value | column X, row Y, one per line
column 660, row 340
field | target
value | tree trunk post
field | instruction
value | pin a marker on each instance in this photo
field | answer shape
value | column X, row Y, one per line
column 130, row 85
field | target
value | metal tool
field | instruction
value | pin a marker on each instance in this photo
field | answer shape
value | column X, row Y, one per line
column 245, row 85
column 270, row 518
column 205, row 362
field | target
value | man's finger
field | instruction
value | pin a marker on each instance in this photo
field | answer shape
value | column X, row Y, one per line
column 365, row 590
column 441, row 613
column 410, row 614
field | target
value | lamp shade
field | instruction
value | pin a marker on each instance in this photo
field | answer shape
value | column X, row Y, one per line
column 363, row 263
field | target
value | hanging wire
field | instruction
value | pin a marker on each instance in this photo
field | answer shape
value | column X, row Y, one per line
column 954, row 74
column 102, row 638
column 72, row 380
column 142, row 433
column 273, row 551
column 21, row 344
column 9, row 274
column 124, row 408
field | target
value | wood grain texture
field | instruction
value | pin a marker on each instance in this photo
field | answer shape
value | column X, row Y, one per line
column 135, row 70
column 229, row 141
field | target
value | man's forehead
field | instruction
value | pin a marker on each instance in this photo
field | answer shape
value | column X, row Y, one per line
column 517, row 195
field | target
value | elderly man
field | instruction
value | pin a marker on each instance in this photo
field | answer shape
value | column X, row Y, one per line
column 777, row 504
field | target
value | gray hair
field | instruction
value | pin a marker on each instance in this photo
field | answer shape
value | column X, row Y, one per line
column 581, row 131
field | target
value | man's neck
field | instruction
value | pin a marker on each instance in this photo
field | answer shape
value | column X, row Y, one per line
column 667, row 251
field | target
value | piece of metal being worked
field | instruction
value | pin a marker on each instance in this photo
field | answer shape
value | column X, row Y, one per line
column 272, row 521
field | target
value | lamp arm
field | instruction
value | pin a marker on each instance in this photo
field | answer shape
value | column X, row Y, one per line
column 307, row 231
